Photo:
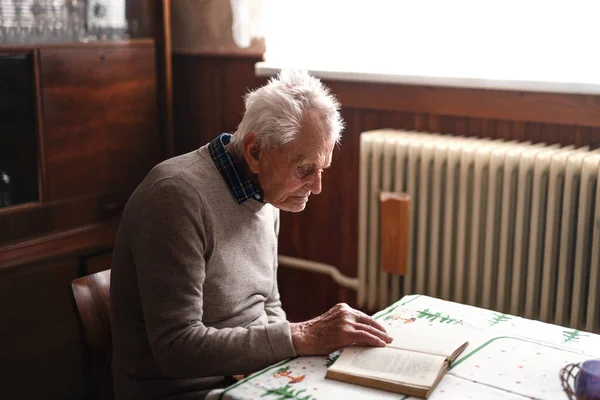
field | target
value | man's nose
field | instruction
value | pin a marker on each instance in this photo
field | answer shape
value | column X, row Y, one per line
column 315, row 184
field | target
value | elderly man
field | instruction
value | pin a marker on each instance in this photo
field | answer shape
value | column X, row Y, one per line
column 194, row 288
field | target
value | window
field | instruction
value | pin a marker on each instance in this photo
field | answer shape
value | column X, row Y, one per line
column 528, row 40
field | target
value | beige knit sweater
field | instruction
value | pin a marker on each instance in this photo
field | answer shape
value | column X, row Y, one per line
column 193, row 287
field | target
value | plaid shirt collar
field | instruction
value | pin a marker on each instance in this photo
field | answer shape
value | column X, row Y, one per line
column 241, row 187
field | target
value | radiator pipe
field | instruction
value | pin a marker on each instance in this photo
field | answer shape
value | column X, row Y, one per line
column 321, row 268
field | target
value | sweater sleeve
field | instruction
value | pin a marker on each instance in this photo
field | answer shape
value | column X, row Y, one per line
column 273, row 307
column 168, row 252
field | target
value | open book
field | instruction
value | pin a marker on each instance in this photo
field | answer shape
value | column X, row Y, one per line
column 412, row 364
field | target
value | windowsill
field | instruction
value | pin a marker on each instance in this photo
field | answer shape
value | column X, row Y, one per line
column 264, row 69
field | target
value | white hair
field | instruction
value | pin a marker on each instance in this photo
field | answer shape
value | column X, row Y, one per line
column 274, row 112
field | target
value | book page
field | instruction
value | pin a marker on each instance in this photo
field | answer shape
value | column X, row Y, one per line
column 425, row 342
column 394, row 365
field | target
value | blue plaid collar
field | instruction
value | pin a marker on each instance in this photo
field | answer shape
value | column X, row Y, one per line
column 241, row 187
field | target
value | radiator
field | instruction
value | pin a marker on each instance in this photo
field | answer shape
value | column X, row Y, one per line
column 505, row 225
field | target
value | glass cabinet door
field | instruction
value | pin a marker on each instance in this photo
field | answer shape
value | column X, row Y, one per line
column 18, row 130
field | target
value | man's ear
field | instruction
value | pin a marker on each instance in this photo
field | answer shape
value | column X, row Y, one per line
column 252, row 151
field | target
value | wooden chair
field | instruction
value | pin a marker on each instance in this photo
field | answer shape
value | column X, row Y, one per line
column 92, row 298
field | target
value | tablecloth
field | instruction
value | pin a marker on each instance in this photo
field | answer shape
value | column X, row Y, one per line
column 508, row 357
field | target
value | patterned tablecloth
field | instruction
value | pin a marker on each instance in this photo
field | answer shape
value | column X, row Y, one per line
column 508, row 357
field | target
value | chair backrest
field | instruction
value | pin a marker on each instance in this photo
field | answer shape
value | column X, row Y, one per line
column 92, row 298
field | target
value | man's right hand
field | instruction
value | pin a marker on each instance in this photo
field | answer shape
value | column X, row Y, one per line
column 339, row 327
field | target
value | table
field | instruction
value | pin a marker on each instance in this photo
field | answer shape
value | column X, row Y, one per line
column 508, row 357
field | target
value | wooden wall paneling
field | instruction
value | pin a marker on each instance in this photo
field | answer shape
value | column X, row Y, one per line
column 97, row 262
column 40, row 343
column 385, row 119
column 435, row 125
column 210, row 108
column 164, row 74
column 345, row 191
column 326, row 213
column 290, row 235
column 461, row 126
column 208, row 97
column 578, row 135
column 594, row 138
column 197, row 101
column 343, row 188
column 499, row 129
column 369, row 120
column 474, row 125
column 503, row 129
column 516, row 131
column 555, row 108
column 187, row 91
column 304, row 294
column 107, row 142
column 307, row 239
column 563, row 134
column 325, row 232
column 151, row 19
column 550, row 133
column 421, row 122
column 237, row 79
column 404, row 121
column 566, row 134
column 533, row 132
column 590, row 137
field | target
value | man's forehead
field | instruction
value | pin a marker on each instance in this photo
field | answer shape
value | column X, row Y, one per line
column 321, row 159
column 312, row 146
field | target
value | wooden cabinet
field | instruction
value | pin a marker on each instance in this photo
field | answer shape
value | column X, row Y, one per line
column 99, row 134
column 85, row 122
column 110, row 131
column 97, row 125
column 40, row 342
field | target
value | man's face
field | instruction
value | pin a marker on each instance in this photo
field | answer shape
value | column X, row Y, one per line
column 289, row 175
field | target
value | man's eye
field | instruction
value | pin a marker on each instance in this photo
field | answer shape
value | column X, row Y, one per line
column 305, row 171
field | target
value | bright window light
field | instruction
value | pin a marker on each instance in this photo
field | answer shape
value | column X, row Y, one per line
column 527, row 40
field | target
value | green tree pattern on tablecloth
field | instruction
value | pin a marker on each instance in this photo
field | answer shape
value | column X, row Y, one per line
column 499, row 318
column 331, row 358
column 572, row 336
column 286, row 392
column 437, row 316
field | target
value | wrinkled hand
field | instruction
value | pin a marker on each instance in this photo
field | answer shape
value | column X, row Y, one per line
column 339, row 327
